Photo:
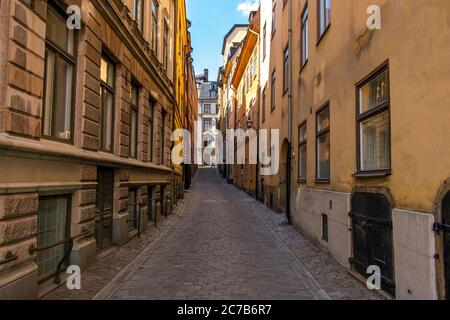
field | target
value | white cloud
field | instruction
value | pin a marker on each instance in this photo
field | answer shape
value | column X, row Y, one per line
column 247, row 6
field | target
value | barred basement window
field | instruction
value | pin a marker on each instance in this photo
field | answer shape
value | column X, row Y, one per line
column 59, row 77
column 373, row 121
column 53, row 232
column 133, row 209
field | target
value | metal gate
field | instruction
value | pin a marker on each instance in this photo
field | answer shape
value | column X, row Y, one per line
column 445, row 227
column 104, row 213
column 372, row 237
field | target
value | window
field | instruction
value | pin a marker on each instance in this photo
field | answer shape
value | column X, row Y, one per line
column 166, row 46
column 272, row 90
column 207, row 125
column 255, row 64
column 274, row 17
column 163, row 136
column 53, row 231
column 323, row 144
column 155, row 21
column 374, row 123
column 133, row 209
column 107, row 104
column 150, row 131
column 325, row 227
column 286, row 70
column 324, row 13
column 302, row 152
column 134, row 107
column 264, row 41
column 305, row 38
column 264, row 105
column 207, row 109
column 59, row 78
column 139, row 13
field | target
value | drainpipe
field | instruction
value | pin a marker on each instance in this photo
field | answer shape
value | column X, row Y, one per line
column 289, row 155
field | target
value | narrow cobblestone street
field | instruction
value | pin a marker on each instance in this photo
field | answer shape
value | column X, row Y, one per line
column 228, row 246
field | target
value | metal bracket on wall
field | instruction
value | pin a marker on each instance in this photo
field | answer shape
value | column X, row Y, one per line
column 9, row 257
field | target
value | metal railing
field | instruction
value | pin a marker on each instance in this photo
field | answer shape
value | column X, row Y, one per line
column 32, row 250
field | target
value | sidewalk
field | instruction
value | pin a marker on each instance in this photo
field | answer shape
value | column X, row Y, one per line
column 108, row 267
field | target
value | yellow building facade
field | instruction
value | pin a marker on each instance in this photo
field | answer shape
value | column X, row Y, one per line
column 245, row 114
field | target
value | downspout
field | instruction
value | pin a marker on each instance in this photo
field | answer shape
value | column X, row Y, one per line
column 289, row 155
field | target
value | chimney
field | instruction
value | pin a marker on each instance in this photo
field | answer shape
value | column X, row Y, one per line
column 206, row 75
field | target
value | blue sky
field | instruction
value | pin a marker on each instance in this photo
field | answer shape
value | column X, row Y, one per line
column 211, row 20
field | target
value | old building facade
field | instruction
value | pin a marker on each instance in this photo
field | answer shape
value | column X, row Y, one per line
column 360, row 117
column 208, row 118
column 232, row 43
column 85, row 123
column 245, row 112
column 355, row 151
column 274, row 98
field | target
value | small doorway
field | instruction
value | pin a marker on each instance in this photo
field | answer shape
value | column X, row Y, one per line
column 372, row 237
column 104, row 214
column 446, row 237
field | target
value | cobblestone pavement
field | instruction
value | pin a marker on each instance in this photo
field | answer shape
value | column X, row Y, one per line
column 228, row 246
column 109, row 267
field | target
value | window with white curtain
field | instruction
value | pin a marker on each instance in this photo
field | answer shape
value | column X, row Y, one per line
column 374, row 122
column 107, row 104
column 59, row 77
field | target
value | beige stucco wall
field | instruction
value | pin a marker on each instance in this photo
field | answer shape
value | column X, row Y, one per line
column 415, row 38
column 310, row 205
column 414, row 247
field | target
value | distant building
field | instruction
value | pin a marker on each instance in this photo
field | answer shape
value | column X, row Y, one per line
column 231, row 44
column 208, row 111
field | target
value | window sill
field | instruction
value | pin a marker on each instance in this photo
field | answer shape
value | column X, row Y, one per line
column 322, row 181
column 374, row 174
column 301, row 181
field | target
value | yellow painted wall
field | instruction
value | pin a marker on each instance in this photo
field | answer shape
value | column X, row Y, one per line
column 415, row 37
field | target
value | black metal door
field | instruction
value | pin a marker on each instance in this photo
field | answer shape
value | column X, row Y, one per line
column 104, row 214
column 372, row 237
column 446, row 236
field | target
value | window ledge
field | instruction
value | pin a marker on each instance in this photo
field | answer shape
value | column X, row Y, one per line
column 366, row 175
